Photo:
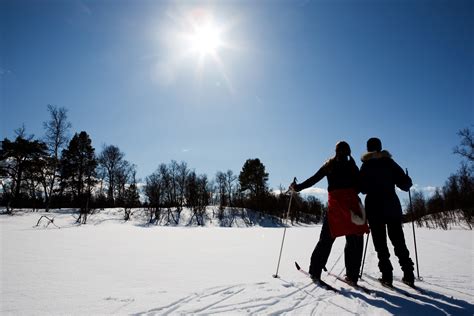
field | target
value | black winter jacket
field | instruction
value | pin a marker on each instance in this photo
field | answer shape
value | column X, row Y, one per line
column 379, row 174
column 341, row 174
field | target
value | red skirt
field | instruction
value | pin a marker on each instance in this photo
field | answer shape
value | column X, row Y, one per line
column 340, row 204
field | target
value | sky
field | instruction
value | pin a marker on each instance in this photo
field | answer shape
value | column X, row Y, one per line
column 282, row 81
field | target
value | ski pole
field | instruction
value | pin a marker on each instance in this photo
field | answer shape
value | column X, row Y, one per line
column 284, row 231
column 365, row 251
column 413, row 227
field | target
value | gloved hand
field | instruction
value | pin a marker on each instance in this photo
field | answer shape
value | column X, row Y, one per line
column 292, row 186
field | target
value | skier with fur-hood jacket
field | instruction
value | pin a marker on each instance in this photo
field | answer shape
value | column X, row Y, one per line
column 379, row 174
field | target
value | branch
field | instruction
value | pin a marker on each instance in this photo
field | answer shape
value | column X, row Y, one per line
column 50, row 221
column 466, row 149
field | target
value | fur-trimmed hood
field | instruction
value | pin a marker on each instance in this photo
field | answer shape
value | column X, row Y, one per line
column 375, row 155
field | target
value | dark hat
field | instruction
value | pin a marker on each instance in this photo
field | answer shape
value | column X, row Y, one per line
column 343, row 148
column 374, row 144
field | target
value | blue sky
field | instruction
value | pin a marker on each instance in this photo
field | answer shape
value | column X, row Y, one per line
column 293, row 78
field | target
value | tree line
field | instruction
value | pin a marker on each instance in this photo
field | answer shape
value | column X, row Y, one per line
column 455, row 198
column 56, row 171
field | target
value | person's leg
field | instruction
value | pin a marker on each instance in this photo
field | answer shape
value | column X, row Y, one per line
column 353, row 256
column 379, row 238
column 395, row 233
column 321, row 252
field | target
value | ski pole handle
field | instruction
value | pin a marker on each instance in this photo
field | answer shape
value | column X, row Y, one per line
column 290, row 189
column 292, row 185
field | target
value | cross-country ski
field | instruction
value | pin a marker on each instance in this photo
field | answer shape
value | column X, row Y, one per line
column 318, row 282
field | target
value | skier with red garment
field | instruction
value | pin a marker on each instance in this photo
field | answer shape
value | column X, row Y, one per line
column 343, row 176
column 379, row 174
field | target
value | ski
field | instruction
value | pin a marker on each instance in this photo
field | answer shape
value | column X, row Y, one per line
column 414, row 287
column 390, row 286
column 395, row 289
column 355, row 286
column 319, row 282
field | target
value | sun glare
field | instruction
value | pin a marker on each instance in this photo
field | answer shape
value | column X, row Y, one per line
column 205, row 39
column 201, row 36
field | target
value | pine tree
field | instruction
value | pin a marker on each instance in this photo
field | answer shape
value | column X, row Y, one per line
column 78, row 167
column 253, row 180
column 19, row 159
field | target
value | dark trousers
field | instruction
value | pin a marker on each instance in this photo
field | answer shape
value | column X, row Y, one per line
column 395, row 233
column 352, row 253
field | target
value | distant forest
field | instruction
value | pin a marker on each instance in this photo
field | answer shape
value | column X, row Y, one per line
column 56, row 171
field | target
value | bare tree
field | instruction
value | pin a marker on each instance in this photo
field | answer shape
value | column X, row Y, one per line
column 132, row 197
column 173, row 170
column 230, row 179
column 169, row 189
column 123, row 176
column 221, row 188
column 197, row 196
column 111, row 160
column 466, row 149
column 56, row 136
column 154, row 193
column 181, row 177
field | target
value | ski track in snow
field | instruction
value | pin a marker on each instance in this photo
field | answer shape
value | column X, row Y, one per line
column 290, row 298
column 308, row 299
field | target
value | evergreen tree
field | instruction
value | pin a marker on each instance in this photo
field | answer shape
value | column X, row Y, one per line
column 78, row 168
column 253, row 180
column 17, row 160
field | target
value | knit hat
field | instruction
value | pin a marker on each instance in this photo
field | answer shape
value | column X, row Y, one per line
column 343, row 148
column 374, row 144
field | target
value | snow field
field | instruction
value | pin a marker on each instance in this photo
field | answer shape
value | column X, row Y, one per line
column 113, row 267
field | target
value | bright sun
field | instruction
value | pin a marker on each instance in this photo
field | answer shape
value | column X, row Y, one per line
column 205, row 39
column 199, row 35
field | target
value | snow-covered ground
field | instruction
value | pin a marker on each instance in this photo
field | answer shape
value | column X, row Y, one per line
column 114, row 267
